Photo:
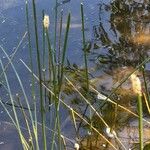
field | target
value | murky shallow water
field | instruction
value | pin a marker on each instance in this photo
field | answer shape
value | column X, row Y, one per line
column 118, row 37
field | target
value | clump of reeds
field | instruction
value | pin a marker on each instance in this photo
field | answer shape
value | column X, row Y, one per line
column 56, row 74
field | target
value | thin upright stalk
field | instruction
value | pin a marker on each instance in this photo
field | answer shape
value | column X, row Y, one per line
column 31, row 65
column 137, row 90
column 71, row 109
column 44, row 60
column 55, row 34
column 16, row 120
column 57, row 122
column 43, row 36
column 52, row 69
column 84, row 44
column 31, row 145
column 85, row 62
column 40, row 77
column 62, row 62
column 51, row 58
column 64, row 51
column 30, row 47
column 146, row 87
column 140, row 121
column 22, row 88
column 59, row 46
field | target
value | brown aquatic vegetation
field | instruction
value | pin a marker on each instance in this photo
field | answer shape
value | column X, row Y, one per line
column 142, row 38
column 110, row 80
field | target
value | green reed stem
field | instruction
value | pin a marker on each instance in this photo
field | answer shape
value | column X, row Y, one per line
column 85, row 62
column 51, row 58
column 84, row 48
column 30, row 47
column 43, row 35
column 70, row 108
column 44, row 61
column 59, row 46
column 146, row 87
column 23, row 141
column 31, row 65
column 140, row 121
column 26, row 122
column 61, row 78
column 52, row 67
column 13, row 108
column 23, row 91
column 55, row 34
column 64, row 50
column 40, row 77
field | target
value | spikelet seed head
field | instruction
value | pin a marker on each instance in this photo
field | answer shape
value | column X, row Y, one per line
column 136, row 84
column 46, row 21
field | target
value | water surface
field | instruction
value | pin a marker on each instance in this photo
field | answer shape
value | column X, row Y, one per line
column 117, row 35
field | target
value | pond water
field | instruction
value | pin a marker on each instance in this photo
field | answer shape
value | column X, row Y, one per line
column 117, row 41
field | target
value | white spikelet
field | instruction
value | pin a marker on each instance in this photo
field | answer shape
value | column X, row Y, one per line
column 136, row 84
column 46, row 21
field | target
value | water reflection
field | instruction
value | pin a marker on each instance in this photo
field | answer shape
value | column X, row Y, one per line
column 127, row 40
column 123, row 43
